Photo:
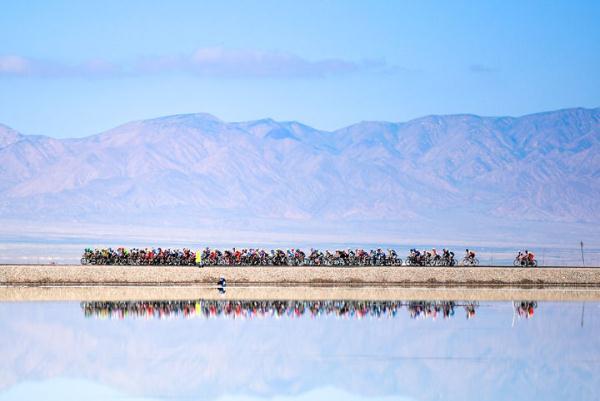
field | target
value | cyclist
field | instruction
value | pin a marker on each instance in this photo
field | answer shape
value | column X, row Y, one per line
column 530, row 257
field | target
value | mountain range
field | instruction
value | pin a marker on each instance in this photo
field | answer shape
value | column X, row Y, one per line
column 195, row 169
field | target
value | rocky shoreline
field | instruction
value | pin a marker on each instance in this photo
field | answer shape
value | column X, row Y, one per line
column 67, row 275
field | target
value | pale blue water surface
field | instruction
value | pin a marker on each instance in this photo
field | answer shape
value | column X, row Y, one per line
column 220, row 350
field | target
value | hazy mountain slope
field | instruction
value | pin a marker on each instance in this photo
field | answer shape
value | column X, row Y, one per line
column 538, row 167
column 8, row 136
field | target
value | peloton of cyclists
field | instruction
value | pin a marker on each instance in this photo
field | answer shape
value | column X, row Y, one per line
column 286, row 257
column 525, row 258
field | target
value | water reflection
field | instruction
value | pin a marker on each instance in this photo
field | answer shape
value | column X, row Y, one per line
column 434, row 309
column 262, row 309
column 299, row 350
column 290, row 309
column 525, row 309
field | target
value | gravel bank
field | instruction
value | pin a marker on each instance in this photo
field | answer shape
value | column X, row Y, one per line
column 70, row 275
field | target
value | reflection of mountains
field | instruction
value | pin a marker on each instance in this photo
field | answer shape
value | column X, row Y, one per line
column 276, row 309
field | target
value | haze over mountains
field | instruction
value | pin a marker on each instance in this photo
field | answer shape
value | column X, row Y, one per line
column 187, row 170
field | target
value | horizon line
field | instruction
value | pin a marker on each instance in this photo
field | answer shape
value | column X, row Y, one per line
column 212, row 116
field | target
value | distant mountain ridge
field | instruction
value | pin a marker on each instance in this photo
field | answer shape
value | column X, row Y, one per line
column 8, row 136
column 542, row 167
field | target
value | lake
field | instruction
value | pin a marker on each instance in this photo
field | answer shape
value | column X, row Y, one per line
column 299, row 350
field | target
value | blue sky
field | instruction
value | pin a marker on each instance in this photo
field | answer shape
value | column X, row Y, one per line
column 78, row 68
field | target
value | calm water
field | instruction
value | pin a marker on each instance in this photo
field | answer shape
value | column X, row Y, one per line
column 289, row 350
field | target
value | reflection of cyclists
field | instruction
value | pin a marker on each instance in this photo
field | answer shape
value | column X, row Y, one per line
column 525, row 309
column 238, row 309
column 470, row 309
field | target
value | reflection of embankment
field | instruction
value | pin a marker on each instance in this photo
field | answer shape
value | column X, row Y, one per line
column 277, row 309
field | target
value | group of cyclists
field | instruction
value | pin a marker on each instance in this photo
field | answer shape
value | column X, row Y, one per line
column 430, row 258
column 260, row 309
column 297, row 257
column 135, row 256
column 288, row 257
column 525, row 259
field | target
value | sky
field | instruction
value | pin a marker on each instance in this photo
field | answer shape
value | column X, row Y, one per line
column 70, row 69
